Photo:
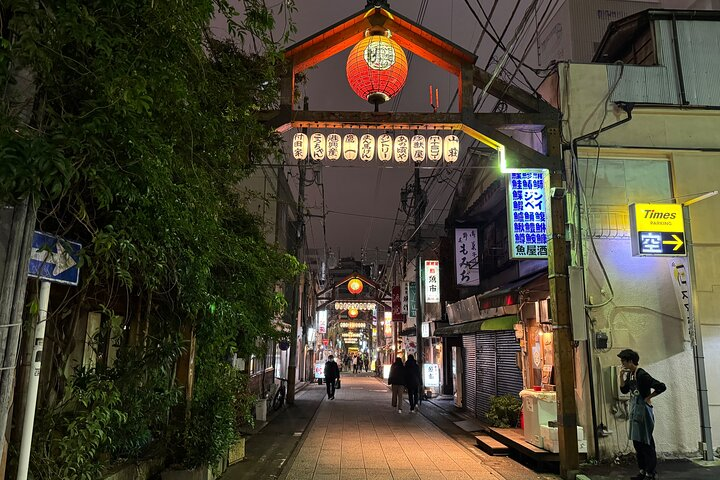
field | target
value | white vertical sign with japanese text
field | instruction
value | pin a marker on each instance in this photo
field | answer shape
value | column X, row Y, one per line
column 683, row 292
column 527, row 194
column 467, row 269
column 322, row 321
column 432, row 281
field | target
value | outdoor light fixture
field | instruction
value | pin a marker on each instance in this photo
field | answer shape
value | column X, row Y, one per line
column 355, row 305
column 353, row 313
column 355, row 286
column 376, row 67
column 300, row 146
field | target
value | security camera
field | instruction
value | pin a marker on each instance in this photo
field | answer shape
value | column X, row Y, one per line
column 558, row 192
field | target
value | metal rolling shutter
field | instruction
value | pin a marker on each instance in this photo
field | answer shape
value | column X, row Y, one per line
column 486, row 372
column 469, row 385
column 509, row 377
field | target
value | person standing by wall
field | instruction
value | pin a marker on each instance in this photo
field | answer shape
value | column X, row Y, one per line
column 643, row 387
column 332, row 373
column 413, row 380
column 397, row 380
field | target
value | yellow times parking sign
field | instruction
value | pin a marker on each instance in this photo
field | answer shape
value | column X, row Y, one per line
column 657, row 229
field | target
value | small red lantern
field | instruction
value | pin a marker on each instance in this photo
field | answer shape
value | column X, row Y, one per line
column 377, row 67
column 355, row 286
column 353, row 313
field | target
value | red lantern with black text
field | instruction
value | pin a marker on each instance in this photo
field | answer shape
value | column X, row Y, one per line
column 355, row 286
column 377, row 67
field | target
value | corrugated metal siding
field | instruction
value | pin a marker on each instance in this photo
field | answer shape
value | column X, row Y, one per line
column 643, row 84
column 486, row 371
column 699, row 44
column 470, row 385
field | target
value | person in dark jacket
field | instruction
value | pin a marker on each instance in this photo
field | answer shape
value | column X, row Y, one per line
column 332, row 373
column 413, row 380
column 397, row 380
column 643, row 387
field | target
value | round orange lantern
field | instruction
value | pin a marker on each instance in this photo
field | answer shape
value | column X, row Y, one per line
column 355, row 286
column 376, row 67
column 353, row 313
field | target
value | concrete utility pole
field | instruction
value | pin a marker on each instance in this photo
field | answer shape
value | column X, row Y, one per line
column 562, row 324
column 297, row 300
column 419, row 198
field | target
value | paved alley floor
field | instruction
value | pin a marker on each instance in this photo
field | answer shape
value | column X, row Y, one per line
column 360, row 436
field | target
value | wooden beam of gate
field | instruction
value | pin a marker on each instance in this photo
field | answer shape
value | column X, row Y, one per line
column 284, row 120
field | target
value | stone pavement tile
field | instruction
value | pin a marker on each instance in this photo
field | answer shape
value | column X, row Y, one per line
column 299, row 474
column 428, row 474
column 352, row 474
column 351, row 462
column 404, row 474
column 326, row 476
column 455, row 475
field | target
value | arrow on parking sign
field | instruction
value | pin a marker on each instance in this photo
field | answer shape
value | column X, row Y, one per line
column 54, row 259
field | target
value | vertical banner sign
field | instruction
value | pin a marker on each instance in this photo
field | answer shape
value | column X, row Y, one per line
column 404, row 293
column 681, row 284
column 432, row 281
column 657, row 230
column 322, row 321
column 412, row 300
column 387, row 324
column 397, row 314
column 527, row 195
column 467, row 270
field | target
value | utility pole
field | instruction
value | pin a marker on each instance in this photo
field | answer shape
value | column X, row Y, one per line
column 706, row 445
column 419, row 199
column 297, row 300
column 562, row 325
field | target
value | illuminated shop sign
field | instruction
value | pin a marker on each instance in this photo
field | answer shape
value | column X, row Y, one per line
column 527, row 195
column 657, row 230
column 467, row 270
column 432, row 281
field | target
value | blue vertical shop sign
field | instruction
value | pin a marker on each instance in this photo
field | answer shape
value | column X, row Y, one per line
column 527, row 194
column 54, row 259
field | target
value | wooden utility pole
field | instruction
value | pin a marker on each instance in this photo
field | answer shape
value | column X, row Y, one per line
column 297, row 298
column 560, row 310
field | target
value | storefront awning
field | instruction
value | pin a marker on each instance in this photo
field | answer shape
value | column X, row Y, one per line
column 409, row 332
column 499, row 323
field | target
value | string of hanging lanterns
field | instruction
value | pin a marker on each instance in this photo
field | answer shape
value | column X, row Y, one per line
column 355, row 305
column 418, row 148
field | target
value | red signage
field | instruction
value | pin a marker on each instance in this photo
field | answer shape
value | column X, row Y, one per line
column 397, row 313
column 326, row 341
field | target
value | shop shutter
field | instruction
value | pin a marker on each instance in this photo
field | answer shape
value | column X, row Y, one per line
column 486, row 372
column 509, row 377
column 469, row 385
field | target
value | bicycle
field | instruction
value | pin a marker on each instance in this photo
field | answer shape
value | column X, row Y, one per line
column 277, row 400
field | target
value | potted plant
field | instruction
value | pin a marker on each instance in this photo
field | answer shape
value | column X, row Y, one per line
column 504, row 411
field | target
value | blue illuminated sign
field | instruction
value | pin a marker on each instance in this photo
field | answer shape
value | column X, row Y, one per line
column 527, row 195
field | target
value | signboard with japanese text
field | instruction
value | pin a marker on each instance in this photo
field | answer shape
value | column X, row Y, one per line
column 322, row 322
column 397, row 314
column 467, row 270
column 431, row 374
column 432, row 281
column 527, row 193
column 657, row 230
column 409, row 299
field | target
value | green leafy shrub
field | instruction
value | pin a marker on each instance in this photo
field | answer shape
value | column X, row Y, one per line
column 504, row 411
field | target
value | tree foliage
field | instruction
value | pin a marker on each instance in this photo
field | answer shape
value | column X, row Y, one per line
column 133, row 125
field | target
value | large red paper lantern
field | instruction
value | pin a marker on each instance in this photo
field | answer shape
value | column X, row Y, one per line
column 377, row 67
column 355, row 286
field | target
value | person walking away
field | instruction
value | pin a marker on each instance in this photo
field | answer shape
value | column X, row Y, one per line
column 366, row 361
column 397, row 380
column 355, row 363
column 413, row 380
column 642, row 387
column 332, row 373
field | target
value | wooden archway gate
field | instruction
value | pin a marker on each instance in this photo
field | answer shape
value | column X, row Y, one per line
column 484, row 127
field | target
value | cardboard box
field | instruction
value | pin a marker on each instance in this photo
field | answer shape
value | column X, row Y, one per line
column 552, row 432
